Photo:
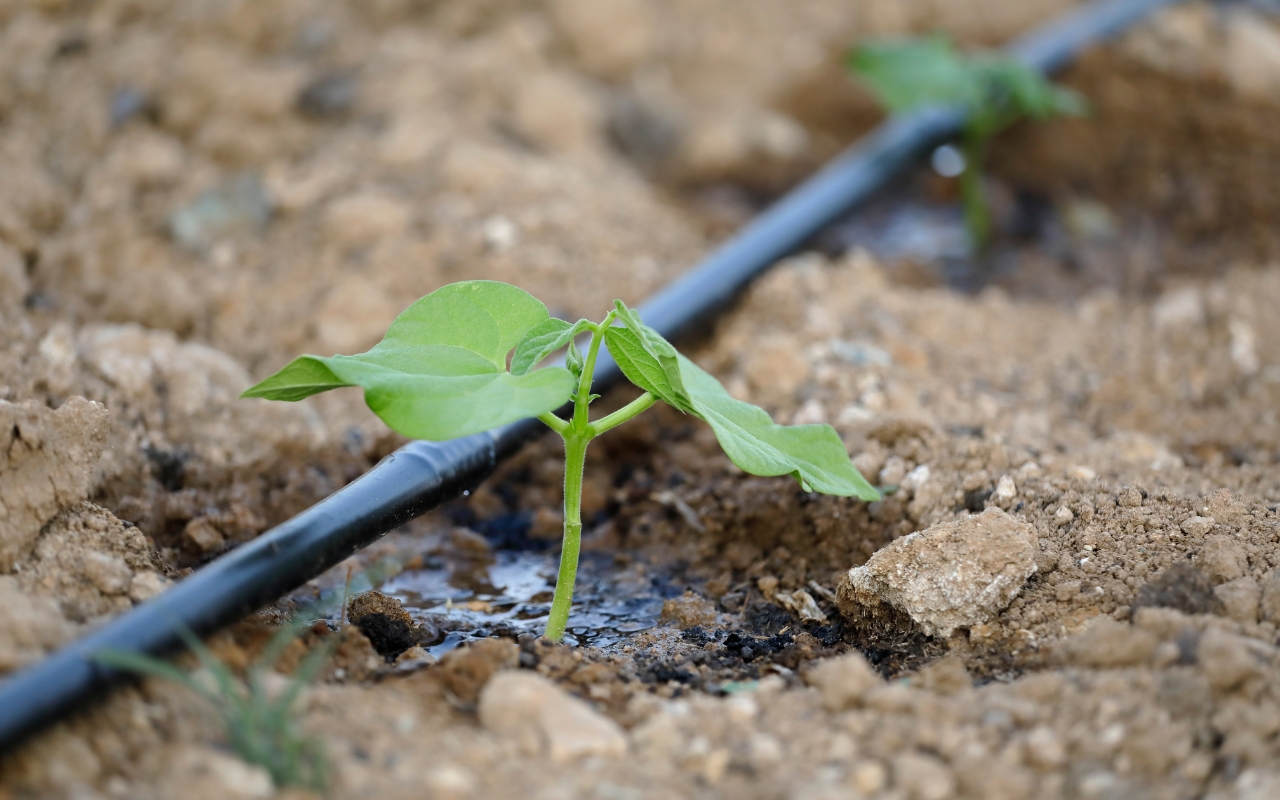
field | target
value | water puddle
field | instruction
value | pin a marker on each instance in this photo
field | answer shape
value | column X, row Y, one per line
column 511, row 595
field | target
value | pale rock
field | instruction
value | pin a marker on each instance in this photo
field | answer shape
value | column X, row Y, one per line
column 354, row 315
column 609, row 37
column 1063, row 516
column 108, row 573
column 1044, row 748
column 554, row 112
column 1178, row 308
column 775, row 369
column 1269, row 605
column 843, row 680
column 869, row 777
column 893, row 472
column 1197, row 526
column 14, row 285
column 1222, row 559
column 802, row 604
column 1244, row 346
column 365, row 218
column 811, row 413
column 1107, row 643
column 146, row 585
column 953, row 575
column 923, row 777
column 450, row 782
column 30, row 626
column 47, row 463
column 1226, row 659
column 1006, row 489
column 1251, row 55
column 197, row 772
column 1240, row 598
column 1256, row 783
column 530, row 709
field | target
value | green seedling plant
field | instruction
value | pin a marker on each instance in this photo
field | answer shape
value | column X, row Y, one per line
column 993, row 89
column 261, row 725
column 463, row 359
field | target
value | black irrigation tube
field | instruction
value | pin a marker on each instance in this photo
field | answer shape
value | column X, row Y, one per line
column 421, row 475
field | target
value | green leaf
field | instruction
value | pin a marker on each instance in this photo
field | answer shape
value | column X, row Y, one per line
column 812, row 454
column 648, row 360
column 440, row 372
column 542, row 340
column 908, row 73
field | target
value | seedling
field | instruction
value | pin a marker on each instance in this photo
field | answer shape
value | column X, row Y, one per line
column 994, row 90
column 261, row 726
column 462, row 361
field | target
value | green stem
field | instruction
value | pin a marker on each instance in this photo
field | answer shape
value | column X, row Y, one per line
column 583, row 398
column 554, row 423
column 973, row 198
column 629, row 411
column 575, row 457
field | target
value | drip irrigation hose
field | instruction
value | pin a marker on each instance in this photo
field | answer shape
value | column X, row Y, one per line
column 421, row 475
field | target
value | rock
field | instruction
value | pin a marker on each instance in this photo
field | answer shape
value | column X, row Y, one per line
column 775, row 369
column 467, row 670
column 802, row 604
column 362, row 219
column 354, row 315
column 553, row 112
column 1222, row 559
column 1045, row 749
column 1257, row 783
column 47, row 462
column 14, row 286
column 237, row 208
column 609, row 37
column 689, row 610
column 543, row 719
column 1181, row 587
column 1269, row 604
column 29, row 627
column 1225, row 659
column 953, row 575
column 1197, row 526
column 1178, row 308
column 923, row 777
column 1251, row 55
column 90, row 561
column 947, row 675
column 1107, row 644
column 1006, row 489
column 1240, row 598
column 203, row 773
column 844, row 680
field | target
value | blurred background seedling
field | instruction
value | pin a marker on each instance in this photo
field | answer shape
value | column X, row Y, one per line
column 260, row 718
column 993, row 89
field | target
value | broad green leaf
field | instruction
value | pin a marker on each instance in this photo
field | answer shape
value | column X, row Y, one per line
column 542, row 340
column 812, row 454
column 648, row 360
column 440, row 372
column 908, row 73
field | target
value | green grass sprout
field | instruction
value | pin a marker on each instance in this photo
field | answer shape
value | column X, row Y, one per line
column 441, row 372
column 261, row 725
column 995, row 91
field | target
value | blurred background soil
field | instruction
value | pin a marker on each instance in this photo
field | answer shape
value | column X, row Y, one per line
column 192, row 193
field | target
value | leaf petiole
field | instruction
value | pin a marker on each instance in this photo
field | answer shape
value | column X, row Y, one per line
column 629, row 411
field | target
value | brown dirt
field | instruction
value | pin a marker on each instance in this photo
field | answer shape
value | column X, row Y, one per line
column 285, row 177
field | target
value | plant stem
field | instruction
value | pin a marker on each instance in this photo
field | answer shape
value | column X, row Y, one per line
column 977, row 218
column 575, row 457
